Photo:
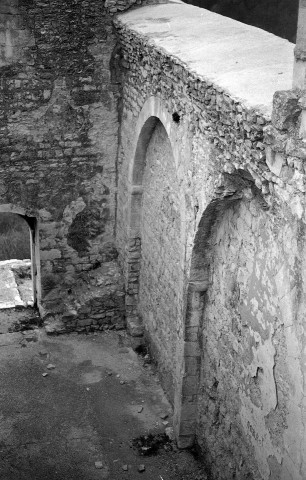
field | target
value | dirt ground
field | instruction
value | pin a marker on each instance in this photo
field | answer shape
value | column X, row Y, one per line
column 71, row 405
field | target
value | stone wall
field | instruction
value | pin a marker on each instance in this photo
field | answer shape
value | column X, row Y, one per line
column 238, row 374
column 59, row 120
column 251, row 380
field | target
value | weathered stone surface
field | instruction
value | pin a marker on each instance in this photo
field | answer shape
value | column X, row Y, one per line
column 58, row 131
column 209, row 229
column 240, row 218
column 286, row 109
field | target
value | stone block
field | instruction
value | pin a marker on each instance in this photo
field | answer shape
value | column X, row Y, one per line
column 190, row 385
column 134, row 327
column 286, row 109
column 185, row 441
column 274, row 161
column 192, row 349
column 192, row 365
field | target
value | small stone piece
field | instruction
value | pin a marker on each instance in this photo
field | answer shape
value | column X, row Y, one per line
column 98, row 464
column 43, row 353
column 50, row 366
column 125, row 468
column 163, row 416
column 45, row 374
column 109, row 374
column 122, row 382
column 165, row 423
column 124, row 350
column 170, row 433
column 141, row 468
column 140, row 409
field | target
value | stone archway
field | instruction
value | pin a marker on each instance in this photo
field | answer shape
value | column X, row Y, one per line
column 32, row 222
column 231, row 190
column 153, row 114
column 155, row 241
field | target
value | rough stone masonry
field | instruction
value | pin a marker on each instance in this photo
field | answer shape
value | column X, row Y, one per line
column 59, row 120
column 211, row 199
column 165, row 190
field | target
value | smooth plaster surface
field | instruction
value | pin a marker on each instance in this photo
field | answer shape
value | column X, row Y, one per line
column 247, row 62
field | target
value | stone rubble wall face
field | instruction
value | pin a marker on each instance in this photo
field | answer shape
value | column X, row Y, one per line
column 58, row 133
column 248, row 389
column 59, row 98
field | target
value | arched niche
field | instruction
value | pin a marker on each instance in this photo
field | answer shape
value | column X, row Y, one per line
column 230, row 191
column 153, row 114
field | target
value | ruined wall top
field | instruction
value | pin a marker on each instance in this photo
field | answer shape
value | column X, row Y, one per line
column 244, row 61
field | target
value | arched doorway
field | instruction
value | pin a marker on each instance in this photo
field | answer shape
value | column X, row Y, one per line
column 155, row 257
column 242, row 385
column 19, row 258
column 188, row 388
column 15, row 262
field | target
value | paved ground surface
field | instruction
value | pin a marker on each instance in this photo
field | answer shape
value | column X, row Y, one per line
column 87, row 409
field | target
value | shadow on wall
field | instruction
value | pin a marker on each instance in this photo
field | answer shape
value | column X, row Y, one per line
column 275, row 16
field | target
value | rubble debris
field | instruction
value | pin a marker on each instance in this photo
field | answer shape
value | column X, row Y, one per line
column 151, row 443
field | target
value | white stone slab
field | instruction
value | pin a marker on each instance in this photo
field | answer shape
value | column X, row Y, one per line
column 9, row 294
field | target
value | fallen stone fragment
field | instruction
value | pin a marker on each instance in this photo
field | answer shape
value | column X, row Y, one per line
column 165, row 423
column 140, row 409
column 43, row 353
column 164, row 415
column 32, row 337
column 170, row 433
column 50, row 366
column 125, row 468
column 141, row 468
column 109, row 374
column 45, row 374
column 98, row 464
column 122, row 382
column 124, row 350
